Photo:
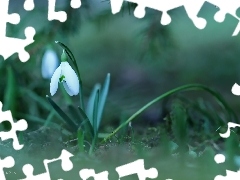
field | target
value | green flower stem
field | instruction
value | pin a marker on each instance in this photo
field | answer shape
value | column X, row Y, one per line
column 189, row 87
column 81, row 95
column 92, row 145
column 65, row 95
column 49, row 118
column 80, row 87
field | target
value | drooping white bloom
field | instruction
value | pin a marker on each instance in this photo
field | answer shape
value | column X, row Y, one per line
column 50, row 63
column 66, row 75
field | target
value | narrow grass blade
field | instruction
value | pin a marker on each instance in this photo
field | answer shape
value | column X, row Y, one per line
column 10, row 91
column 49, row 118
column 80, row 136
column 103, row 135
column 42, row 121
column 35, row 97
column 62, row 114
column 95, row 112
column 103, row 97
column 179, row 124
column 86, row 123
column 75, row 114
column 31, row 118
column 10, row 95
column 190, row 87
column 90, row 105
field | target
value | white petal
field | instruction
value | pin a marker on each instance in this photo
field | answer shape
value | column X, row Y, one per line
column 67, row 89
column 71, row 78
column 55, row 80
column 236, row 89
column 50, row 63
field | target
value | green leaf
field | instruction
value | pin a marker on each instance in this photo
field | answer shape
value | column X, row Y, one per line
column 172, row 146
column 36, row 98
column 67, row 98
column 10, row 95
column 10, row 91
column 49, row 118
column 40, row 120
column 103, row 97
column 95, row 113
column 232, row 149
column 71, row 124
column 80, row 136
column 31, row 118
column 74, row 114
column 90, row 105
column 179, row 124
column 189, row 87
column 86, row 123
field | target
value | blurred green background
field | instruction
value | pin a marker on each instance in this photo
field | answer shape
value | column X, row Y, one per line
column 145, row 60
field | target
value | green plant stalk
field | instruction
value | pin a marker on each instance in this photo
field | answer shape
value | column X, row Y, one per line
column 102, row 99
column 90, row 105
column 95, row 113
column 92, row 145
column 49, row 118
column 188, row 87
column 86, row 123
column 36, row 98
column 59, row 111
column 95, row 116
column 10, row 91
column 65, row 95
column 80, row 135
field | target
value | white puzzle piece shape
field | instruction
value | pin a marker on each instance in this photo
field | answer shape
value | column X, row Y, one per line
column 20, row 125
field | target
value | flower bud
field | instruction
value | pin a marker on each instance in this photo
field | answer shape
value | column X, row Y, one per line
column 50, row 63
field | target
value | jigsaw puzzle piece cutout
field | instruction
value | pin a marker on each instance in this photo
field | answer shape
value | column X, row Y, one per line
column 53, row 15
column 57, row 172
column 13, row 18
column 231, row 175
column 7, row 162
column 87, row 173
column 66, row 165
column 9, row 45
column 29, row 5
column 238, row 12
column 75, row 4
column 137, row 167
column 140, row 12
column 237, row 29
column 192, row 8
column 229, row 7
column 28, row 171
column 65, row 156
column 60, row 15
column 20, row 125
column 229, row 23
column 116, row 5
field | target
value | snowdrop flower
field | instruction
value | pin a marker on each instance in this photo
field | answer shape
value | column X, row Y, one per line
column 66, row 75
column 50, row 63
